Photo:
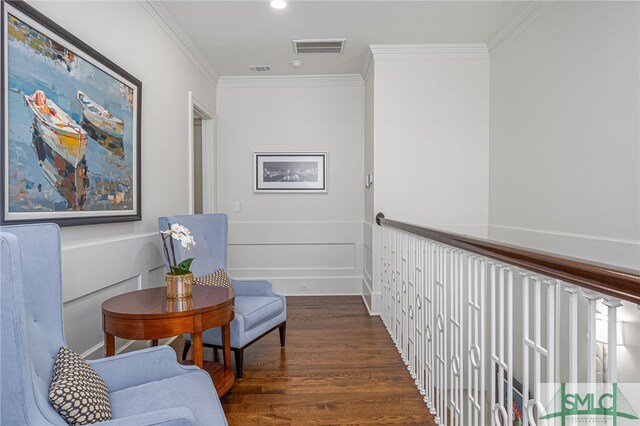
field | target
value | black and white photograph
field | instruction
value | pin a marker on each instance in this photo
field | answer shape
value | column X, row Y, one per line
column 290, row 172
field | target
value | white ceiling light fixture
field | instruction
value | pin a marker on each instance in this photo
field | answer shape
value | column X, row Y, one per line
column 296, row 63
column 278, row 4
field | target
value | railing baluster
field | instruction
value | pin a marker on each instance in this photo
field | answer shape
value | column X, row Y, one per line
column 611, row 364
column 435, row 301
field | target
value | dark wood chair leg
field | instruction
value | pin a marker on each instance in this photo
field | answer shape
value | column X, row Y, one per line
column 239, row 353
column 187, row 345
column 283, row 333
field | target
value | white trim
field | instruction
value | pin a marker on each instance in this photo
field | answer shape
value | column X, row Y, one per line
column 122, row 348
column 84, row 244
column 614, row 251
column 368, row 64
column 209, row 150
column 429, row 51
column 328, row 80
column 173, row 30
column 566, row 234
column 518, row 23
column 364, row 299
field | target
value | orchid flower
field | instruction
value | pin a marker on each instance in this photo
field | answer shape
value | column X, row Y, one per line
column 183, row 235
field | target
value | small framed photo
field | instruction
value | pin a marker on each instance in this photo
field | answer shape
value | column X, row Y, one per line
column 290, row 172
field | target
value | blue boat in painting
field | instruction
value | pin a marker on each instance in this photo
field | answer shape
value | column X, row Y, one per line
column 98, row 117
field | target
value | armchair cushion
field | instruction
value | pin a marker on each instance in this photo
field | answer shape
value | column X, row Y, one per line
column 192, row 390
column 77, row 392
column 257, row 309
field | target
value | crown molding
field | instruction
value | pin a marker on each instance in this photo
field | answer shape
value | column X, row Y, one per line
column 173, row 30
column 517, row 24
column 428, row 51
column 323, row 80
column 368, row 64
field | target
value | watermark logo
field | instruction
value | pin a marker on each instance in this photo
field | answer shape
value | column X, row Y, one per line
column 591, row 404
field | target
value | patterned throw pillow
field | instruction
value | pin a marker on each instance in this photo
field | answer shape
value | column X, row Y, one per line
column 218, row 279
column 77, row 392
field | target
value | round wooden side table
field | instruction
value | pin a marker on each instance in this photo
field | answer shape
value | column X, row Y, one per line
column 149, row 315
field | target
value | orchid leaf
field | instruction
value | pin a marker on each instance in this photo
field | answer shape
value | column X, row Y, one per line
column 185, row 264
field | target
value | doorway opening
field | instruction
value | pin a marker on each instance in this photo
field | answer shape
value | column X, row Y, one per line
column 202, row 182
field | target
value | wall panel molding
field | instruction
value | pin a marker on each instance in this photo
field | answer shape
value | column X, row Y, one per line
column 625, row 253
column 122, row 258
column 331, row 254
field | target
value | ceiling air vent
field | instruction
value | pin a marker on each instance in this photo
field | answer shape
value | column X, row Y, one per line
column 260, row 68
column 335, row 45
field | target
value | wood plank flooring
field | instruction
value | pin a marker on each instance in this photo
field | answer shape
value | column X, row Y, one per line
column 339, row 367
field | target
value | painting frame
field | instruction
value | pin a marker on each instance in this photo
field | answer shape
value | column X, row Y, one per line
column 307, row 172
column 47, row 28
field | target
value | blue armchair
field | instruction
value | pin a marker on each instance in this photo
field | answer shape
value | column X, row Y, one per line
column 145, row 387
column 258, row 310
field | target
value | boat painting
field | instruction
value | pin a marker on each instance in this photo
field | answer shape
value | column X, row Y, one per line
column 58, row 130
column 69, row 180
column 103, row 127
column 71, row 127
column 100, row 118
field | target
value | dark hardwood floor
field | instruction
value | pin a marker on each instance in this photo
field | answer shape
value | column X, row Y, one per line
column 339, row 367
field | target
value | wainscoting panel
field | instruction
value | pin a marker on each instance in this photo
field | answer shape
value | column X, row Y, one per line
column 367, row 272
column 300, row 258
column 94, row 271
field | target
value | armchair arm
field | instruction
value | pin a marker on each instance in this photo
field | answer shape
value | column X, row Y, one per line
column 180, row 416
column 252, row 288
column 132, row 368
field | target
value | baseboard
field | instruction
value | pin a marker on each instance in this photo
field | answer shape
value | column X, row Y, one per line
column 129, row 346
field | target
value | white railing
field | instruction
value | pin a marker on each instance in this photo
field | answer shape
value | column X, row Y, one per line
column 476, row 332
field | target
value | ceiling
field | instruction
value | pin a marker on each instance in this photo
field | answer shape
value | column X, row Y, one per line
column 232, row 35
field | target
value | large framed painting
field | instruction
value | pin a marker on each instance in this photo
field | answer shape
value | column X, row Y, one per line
column 290, row 172
column 70, row 127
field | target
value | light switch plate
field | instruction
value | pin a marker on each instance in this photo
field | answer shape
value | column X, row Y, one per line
column 236, row 206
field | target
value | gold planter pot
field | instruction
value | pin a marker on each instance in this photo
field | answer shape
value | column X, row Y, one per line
column 179, row 286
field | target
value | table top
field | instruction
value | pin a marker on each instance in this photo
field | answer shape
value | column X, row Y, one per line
column 152, row 303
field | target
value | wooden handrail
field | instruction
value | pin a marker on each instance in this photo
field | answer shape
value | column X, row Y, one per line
column 611, row 280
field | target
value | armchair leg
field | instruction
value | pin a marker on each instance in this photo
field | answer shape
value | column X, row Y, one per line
column 283, row 333
column 239, row 353
column 187, row 345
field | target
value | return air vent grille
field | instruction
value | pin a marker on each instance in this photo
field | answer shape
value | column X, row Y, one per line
column 260, row 68
column 319, row 46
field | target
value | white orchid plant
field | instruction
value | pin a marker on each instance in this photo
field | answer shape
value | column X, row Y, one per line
column 183, row 235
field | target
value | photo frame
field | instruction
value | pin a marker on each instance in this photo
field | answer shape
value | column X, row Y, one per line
column 502, row 385
column 70, row 129
column 290, row 172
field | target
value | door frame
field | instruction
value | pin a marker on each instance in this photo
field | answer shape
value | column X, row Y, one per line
column 209, row 152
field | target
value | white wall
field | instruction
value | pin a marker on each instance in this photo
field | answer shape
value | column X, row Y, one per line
column 293, row 239
column 100, row 261
column 565, row 144
column 432, row 138
column 369, row 293
column 565, row 141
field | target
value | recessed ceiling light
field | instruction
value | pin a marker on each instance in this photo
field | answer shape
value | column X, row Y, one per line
column 278, row 4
